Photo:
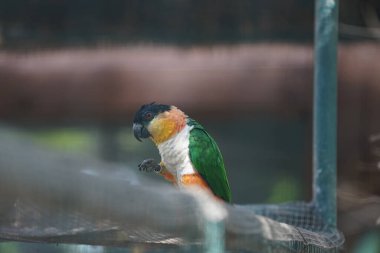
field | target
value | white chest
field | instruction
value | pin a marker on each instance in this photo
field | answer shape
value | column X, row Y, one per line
column 175, row 153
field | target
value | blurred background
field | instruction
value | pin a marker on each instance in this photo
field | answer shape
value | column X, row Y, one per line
column 72, row 74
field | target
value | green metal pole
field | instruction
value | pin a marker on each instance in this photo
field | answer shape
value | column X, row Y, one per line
column 215, row 236
column 325, row 109
column 214, row 215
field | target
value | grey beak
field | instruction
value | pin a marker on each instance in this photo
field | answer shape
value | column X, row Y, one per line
column 140, row 131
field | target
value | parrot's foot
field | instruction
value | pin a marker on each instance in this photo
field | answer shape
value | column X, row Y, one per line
column 149, row 165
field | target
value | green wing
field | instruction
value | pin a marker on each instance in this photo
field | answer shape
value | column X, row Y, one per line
column 208, row 161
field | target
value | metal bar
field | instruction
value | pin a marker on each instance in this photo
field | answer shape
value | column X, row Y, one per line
column 325, row 109
column 214, row 236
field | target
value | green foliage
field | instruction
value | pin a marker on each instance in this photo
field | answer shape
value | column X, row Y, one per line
column 369, row 243
column 9, row 247
column 285, row 189
column 66, row 139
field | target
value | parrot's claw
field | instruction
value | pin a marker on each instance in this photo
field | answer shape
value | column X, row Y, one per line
column 149, row 165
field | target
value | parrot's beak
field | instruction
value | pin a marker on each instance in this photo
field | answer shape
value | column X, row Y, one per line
column 140, row 131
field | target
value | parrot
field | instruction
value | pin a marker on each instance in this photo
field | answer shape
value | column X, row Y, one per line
column 189, row 155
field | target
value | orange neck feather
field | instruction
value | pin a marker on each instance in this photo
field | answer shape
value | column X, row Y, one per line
column 166, row 125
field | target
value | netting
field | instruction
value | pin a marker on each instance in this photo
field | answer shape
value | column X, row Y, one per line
column 289, row 227
column 60, row 198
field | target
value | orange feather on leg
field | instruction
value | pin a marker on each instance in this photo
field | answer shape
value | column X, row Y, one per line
column 168, row 176
column 197, row 180
column 194, row 179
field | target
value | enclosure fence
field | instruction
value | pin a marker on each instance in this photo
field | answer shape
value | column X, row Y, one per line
column 59, row 198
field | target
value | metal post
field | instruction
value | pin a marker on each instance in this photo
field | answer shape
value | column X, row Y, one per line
column 325, row 109
column 214, row 214
column 214, row 236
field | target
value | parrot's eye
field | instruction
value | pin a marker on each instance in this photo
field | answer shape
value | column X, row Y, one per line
column 148, row 116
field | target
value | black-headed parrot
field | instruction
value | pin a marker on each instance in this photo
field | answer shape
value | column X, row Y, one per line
column 189, row 155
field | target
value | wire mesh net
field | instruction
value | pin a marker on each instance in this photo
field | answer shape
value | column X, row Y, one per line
column 289, row 227
column 61, row 198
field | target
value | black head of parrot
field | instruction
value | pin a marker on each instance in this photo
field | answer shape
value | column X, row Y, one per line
column 144, row 116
